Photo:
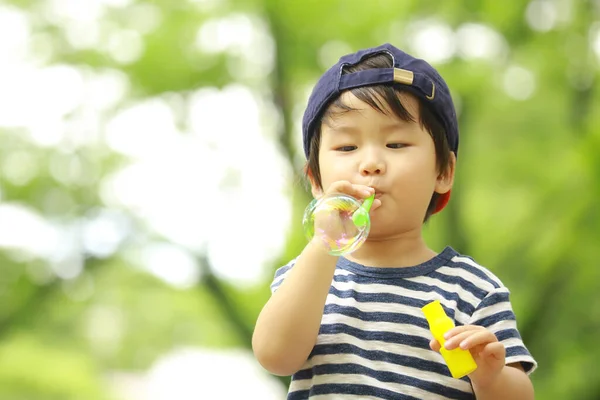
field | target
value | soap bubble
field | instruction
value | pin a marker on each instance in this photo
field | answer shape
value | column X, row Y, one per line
column 330, row 219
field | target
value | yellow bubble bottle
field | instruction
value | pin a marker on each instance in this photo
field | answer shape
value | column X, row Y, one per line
column 460, row 362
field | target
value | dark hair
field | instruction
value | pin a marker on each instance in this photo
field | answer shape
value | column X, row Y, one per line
column 378, row 97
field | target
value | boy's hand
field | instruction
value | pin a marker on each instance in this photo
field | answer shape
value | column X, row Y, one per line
column 488, row 352
column 356, row 191
column 329, row 223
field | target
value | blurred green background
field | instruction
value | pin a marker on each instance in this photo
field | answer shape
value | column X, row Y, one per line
column 150, row 182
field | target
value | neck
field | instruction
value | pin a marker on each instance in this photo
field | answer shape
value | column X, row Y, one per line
column 405, row 249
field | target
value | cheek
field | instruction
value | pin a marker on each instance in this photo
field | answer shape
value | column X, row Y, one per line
column 416, row 177
column 418, row 162
column 425, row 163
column 333, row 169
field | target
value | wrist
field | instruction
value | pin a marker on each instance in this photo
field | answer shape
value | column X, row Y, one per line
column 487, row 382
column 319, row 246
column 511, row 382
column 317, row 250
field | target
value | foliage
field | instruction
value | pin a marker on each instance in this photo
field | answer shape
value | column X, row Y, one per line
column 524, row 203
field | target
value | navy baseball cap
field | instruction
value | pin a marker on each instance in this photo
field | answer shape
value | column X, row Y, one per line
column 418, row 77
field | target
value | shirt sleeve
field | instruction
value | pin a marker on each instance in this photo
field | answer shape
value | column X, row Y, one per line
column 496, row 314
column 280, row 275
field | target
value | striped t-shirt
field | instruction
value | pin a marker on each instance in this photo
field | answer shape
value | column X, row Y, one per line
column 374, row 339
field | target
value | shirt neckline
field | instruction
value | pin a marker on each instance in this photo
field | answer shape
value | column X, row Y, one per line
column 436, row 262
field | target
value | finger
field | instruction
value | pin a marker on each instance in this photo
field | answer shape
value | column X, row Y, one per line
column 434, row 345
column 459, row 329
column 358, row 191
column 456, row 340
column 363, row 191
column 339, row 187
column 478, row 338
column 496, row 350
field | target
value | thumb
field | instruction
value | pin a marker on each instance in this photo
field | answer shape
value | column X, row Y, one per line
column 376, row 204
column 435, row 345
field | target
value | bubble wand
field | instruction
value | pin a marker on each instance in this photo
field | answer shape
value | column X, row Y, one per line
column 361, row 216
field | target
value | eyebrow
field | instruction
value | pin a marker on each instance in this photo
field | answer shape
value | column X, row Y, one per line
column 344, row 129
column 350, row 129
column 397, row 125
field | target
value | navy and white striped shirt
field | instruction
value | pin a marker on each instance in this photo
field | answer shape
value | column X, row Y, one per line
column 374, row 339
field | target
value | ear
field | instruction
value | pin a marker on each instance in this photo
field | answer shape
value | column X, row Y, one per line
column 314, row 188
column 316, row 192
column 446, row 179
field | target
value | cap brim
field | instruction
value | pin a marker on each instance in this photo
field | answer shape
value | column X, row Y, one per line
column 442, row 202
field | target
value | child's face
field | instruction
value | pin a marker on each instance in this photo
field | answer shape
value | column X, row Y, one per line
column 395, row 157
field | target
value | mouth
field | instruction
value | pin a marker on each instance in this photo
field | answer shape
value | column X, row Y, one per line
column 378, row 194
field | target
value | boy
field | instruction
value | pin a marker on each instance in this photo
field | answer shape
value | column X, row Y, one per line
column 352, row 327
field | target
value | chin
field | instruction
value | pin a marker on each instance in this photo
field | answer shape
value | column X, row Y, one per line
column 384, row 228
column 379, row 232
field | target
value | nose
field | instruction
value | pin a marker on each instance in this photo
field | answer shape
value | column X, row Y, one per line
column 372, row 163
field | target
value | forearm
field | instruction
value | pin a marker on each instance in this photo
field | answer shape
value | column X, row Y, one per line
column 288, row 325
column 512, row 383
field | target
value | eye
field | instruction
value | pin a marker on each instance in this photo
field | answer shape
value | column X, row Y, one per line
column 395, row 145
column 346, row 148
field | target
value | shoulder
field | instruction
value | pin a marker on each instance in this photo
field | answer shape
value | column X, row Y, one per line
column 468, row 268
